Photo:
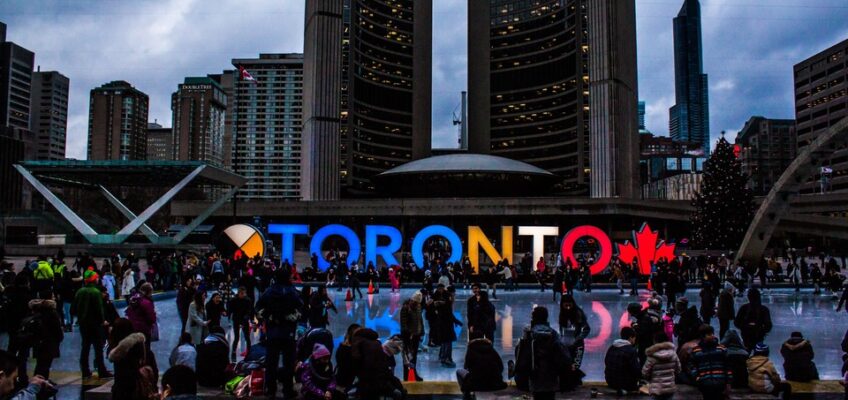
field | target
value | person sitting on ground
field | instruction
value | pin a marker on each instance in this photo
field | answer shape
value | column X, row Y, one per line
column 375, row 379
column 483, row 369
column 539, row 357
column 621, row 364
column 316, row 376
column 684, row 354
column 213, row 358
column 306, row 344
column 392, row 347
column 345, row 369
column 763, row 376
column 798, row 357
column 185, row 353
column 179, row 383
column 737, row 358
column 9, row 375
column 710, row 370
column 661, row 368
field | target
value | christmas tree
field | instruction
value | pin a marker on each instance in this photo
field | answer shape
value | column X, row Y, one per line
column 724, row 206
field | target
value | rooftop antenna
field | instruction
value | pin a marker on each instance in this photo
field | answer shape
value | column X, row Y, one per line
column 462, row 121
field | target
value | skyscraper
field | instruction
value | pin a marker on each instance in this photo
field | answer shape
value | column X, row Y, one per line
column 199, row 106
column 16, row 65
column 227, row 81
column 386, row 88
column 267, row 123
column 821, row 100
column 767, row 146
column 689, row 118
column 529, row 83
column 117, row 122
column 321, row 81
column 160, row 142
column 49, row 119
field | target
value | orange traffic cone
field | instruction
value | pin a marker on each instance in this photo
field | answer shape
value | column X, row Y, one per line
column 410, row 374
column 370, row 287
column 349, row 296
column 564, row 289
column 650, row 286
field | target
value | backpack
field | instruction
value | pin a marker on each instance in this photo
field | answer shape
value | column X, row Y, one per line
column 30, row 333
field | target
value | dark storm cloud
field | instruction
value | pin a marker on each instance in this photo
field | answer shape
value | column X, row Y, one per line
column 750, row 47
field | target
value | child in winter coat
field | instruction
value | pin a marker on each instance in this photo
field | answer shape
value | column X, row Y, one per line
column 661, row 368
column 763, row 376
column 316, row 375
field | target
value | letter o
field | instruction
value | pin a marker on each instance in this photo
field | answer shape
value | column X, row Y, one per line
column 603, row 242
column 330, row 230
column 436, row 230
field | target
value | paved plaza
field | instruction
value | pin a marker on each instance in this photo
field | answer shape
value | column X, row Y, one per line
column 813, row 315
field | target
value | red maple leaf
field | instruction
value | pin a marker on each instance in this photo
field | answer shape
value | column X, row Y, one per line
column 646, row 251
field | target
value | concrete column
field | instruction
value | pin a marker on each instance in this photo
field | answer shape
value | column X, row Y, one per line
column 422, row 74
column 479, row 84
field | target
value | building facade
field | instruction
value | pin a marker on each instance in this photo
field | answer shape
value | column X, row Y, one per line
column 689, row 118
column 160, row 143
column 267, row 124
column 198, row 110
column 227, row 81
column 49, row 118
column 117, row 122
column 322, row 53
column 767, row 147
column 675, row 187
column 821, row 100
column 529, row 81
column 16, row 65
column 386, row 89
column 662, row 157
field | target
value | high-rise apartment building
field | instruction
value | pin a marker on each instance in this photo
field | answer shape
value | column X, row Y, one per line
column 689, row 118
column 49, row 117
column 226, row 79
column 821, row 100
column 117, row 122
column 529, row 85
column 198, row 108
column 16, row 65
column 160, row 142
column 767, row 147
column 267, row 123
column 642, row 126
column 322, row 54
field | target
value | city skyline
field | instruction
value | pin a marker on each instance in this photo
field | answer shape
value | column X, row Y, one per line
column 751, row 77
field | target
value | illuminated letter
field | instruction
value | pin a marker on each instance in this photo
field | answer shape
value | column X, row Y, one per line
column 538, row 233
column 288, row 232
column 603, row 242
column 436, row 230
column 348, row 234
column 372, row 251
column 477, row 239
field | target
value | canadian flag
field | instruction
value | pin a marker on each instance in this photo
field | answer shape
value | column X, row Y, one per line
column 246, row 76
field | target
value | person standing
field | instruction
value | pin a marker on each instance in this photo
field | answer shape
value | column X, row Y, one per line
column 51, row 335
column 141, row 312
column 539, row 357
column 707, row 303
column 558, row 282
column 280, row 307
column 753, row 320
column 241, row 313
column 444, row 329
column 215, row 310
column 411, row 331
column 88, row 307
column 481, row 323
column 726, row 308
column 185, row 295
column 197, row 324
column 540, row 272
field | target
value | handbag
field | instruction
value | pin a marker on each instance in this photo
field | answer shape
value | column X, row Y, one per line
column 154, row 332
column 257, row 382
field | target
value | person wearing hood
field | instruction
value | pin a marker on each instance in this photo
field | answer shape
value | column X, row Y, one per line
column 687, row 326
column 621, row 363
column 647, row 323
column 47, row 349
column 316, row 376
column 481, row 322
column 141, row 311
column 213, row 358
column 753, row 320
column 539, row 357
column 128, row 284
column 707, row 303
column 737, row 358
column 88, row 307
column 709, row 366
column 412, row 330
column 798, row 357
column 134, row 378
column 661, row 368
column 726, row 308
column 482, row 371
column 763, row 376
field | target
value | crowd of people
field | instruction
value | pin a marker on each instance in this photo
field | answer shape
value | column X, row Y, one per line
column 47, row 298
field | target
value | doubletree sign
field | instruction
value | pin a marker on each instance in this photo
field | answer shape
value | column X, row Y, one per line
column 645, row 249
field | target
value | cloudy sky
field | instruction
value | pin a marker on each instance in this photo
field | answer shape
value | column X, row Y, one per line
column 750, row 47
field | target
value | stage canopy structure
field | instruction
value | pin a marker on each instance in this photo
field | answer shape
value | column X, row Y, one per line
column 100, row 175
